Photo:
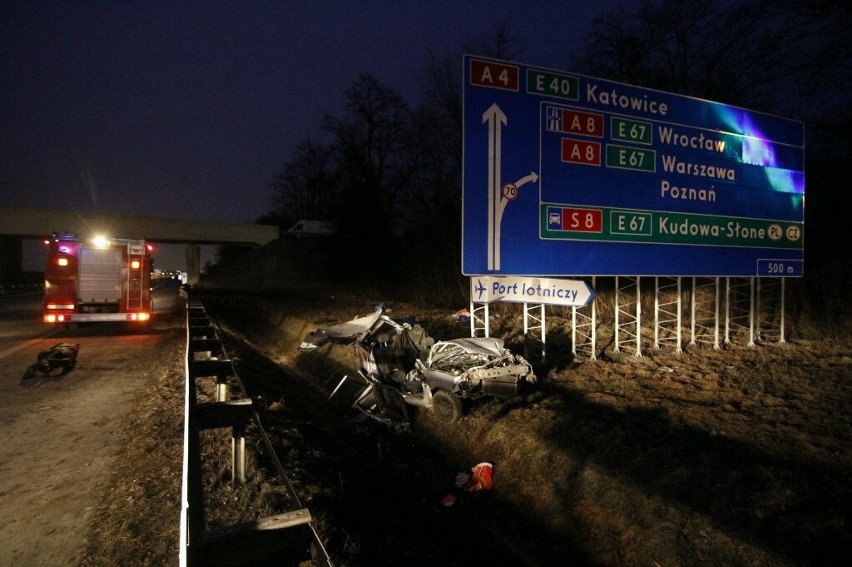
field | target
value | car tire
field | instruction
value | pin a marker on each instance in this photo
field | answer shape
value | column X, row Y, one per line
column 447, row 407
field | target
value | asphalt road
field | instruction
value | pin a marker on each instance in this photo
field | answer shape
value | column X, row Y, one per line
column 61, row 436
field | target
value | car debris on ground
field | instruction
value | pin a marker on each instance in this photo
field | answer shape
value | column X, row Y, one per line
column 61, row 356
column 400, row 365
column 479, row 479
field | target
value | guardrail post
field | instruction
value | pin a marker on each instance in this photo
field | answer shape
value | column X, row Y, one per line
column 238, row 455
column 236, row 415
column 253, row 542
column 221, row 369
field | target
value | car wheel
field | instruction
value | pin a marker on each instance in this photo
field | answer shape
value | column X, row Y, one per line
column 447, row 407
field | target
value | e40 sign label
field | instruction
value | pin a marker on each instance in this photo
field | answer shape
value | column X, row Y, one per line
column 553, row 84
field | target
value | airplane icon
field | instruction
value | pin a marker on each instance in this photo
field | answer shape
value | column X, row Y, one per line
column 480, row 288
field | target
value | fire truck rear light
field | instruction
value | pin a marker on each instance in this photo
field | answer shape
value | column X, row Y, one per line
column 54, row 318
column 62, row 262
column 59, row 306
column 138, row 316
column 135, row 264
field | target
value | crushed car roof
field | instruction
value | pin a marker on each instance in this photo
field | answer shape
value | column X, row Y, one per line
column 350, row 329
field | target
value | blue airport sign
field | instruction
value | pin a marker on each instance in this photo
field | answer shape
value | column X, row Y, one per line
column 570, row 175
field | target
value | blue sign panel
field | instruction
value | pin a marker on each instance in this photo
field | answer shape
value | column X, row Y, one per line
column 570, row 175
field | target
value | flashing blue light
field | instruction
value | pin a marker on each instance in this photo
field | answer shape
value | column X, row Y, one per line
column 757, row 150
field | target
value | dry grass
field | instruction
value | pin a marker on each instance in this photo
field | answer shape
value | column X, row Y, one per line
column 734, row 456
column 738, row 456
column 137, row 523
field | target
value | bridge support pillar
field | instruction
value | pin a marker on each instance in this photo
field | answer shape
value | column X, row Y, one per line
column 193, row 263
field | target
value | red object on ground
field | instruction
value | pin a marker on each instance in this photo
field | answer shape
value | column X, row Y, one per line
column 482, row 478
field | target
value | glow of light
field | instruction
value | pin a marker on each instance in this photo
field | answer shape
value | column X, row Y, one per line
column 757, row 151
column 100, row 241
column 62, row 262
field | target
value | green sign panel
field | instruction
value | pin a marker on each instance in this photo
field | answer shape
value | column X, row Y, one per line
column 660, row 227
column 566, row 87
column 634, row 131
column 628, row 157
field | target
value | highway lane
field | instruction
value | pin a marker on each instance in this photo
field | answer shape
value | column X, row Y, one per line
column 20, row 321
column 61, row 436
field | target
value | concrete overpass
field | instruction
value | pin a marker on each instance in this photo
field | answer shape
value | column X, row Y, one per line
column 39, row 223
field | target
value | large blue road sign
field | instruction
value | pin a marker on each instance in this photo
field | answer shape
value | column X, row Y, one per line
column 570, row 175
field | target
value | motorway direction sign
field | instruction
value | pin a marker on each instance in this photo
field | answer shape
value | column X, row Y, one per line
column 514, row 289
column 571, row 175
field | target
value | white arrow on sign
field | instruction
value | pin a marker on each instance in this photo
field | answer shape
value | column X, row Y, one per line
column 495, row 119
column 496, row 199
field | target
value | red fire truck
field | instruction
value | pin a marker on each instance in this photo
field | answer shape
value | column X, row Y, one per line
column 98, row 280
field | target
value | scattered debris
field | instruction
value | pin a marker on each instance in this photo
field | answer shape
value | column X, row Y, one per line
column 400, row 365
column 60, row 356
column 345, row 331
column 448, row 500
column 462, row 316
column 480, row 478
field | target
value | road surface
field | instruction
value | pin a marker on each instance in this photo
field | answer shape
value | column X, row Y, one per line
column 61, row 437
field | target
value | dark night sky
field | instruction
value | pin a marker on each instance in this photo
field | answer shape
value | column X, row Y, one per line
column 190, row 109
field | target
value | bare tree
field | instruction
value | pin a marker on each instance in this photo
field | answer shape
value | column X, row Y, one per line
column 434, row 201
column 789, row 58
column 307, row 187
column 377, row 154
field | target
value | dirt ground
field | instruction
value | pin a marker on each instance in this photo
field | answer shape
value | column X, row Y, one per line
column 63, row 439
column 736, row 456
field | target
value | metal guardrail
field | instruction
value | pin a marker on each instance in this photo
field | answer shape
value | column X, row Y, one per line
column 21, row 288
column 288, row 538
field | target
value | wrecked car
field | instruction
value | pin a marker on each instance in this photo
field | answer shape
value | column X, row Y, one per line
column 400, row 365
